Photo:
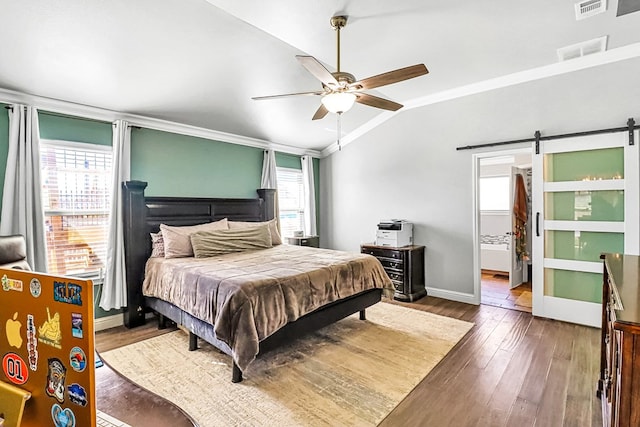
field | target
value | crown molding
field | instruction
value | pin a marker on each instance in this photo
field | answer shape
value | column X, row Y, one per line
column 610, row 56
column 101, row 114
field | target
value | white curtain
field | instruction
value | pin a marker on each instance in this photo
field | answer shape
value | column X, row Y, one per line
column 308, row 183
column 22, row 211
column 269, row 175
column 114, row 288
column 270, row 180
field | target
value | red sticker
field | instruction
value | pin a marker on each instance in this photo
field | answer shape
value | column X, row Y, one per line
column 15, row 369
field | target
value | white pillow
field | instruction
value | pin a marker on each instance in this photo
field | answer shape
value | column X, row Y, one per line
column 177, row 242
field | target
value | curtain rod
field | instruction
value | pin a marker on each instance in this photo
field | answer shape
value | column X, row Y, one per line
column 631, row 126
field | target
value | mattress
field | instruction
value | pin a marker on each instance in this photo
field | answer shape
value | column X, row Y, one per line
column 247, row 296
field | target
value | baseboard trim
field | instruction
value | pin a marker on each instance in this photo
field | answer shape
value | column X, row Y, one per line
column 108, row 322
column 452, row 295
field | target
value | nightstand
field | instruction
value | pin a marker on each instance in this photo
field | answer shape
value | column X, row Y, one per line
column 312, row 241
column 404, row 266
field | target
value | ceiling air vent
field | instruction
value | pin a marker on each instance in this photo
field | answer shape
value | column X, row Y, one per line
column 583, row 49
column 588, row 8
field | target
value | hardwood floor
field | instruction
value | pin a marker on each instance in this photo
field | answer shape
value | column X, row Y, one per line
column 495, row 291
column 511, row 369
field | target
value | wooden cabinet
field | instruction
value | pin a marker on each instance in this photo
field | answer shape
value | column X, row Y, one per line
column 619, row 383
column 405, row 267
column 313, row 241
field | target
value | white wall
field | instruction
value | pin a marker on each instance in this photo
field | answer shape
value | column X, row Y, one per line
column 409, row 167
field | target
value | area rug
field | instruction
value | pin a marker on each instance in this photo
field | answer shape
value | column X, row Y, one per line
column 350, row 373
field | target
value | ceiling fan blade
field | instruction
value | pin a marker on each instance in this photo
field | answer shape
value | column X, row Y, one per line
column 391, row 77
column 374, row 101
column 320, row 112
column 261, row 98
column 317, row 69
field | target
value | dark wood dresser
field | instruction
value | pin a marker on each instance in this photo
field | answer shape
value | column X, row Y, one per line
column 619, row 383
column 405, row 267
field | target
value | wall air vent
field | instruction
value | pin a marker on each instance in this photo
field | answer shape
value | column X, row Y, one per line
column 583, row 49
column 588, row 8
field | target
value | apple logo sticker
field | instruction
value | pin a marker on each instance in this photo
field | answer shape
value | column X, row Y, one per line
column 13, row 331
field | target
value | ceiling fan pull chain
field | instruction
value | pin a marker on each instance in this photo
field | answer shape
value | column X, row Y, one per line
column 339, row 130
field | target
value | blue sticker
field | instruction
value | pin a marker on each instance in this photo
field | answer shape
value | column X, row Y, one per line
column 77, row 359
column 69, row 293
column 76, row 325
column 62, row 417
column 77, row 394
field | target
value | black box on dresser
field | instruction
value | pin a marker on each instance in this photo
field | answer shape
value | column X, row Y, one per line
column 404, row 266
column 311, row 241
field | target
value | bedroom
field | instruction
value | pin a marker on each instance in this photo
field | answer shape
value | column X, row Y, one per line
column 404, row 167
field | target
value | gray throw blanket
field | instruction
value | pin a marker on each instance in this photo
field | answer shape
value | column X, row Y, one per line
column 248, row 296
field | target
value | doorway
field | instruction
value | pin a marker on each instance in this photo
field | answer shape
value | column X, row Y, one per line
column 502, row 241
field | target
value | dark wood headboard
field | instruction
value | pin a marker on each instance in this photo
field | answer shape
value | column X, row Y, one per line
column 143, row 215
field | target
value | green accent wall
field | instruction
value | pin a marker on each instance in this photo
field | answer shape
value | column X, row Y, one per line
column 53, row 126
column 4, row 145
column 288, row 161
column 179, row 165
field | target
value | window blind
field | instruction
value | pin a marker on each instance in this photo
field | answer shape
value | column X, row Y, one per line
column 290, row 200
column 76, row 192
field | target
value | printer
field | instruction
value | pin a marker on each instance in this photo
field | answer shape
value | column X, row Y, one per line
column 394, row 233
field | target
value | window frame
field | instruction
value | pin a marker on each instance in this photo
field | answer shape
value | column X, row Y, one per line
column 97, row 276
column 302, row 210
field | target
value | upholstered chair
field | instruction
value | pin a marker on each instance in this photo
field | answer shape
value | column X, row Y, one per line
column 13, row 252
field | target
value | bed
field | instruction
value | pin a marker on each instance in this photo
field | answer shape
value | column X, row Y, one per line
column 143, row 215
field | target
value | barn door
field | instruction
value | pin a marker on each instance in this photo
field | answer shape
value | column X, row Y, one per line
column 585, row 202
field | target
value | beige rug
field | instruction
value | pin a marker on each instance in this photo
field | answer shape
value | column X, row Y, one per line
column 524, row 300
column 351, row 373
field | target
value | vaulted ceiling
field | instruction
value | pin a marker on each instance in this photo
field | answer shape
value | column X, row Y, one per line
column 199, row 62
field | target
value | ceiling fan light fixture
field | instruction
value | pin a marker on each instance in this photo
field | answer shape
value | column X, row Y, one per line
column 338, row 102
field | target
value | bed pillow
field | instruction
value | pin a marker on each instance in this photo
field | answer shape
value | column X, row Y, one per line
column 273, row 228
column 157, row 245
column 176, row 239
column 211, row 243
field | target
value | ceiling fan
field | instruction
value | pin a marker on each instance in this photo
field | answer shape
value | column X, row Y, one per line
column 340, row 89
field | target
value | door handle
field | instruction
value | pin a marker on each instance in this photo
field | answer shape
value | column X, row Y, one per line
column 538, row 224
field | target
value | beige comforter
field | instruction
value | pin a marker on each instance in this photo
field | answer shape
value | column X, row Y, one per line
column 248, row 296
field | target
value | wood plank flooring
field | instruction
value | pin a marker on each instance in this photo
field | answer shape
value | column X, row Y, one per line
column 511, row 369
column 495, row 291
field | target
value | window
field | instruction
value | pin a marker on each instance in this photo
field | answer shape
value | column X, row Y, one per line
column 76, row 195
column 290, row 200
column 494, row 193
